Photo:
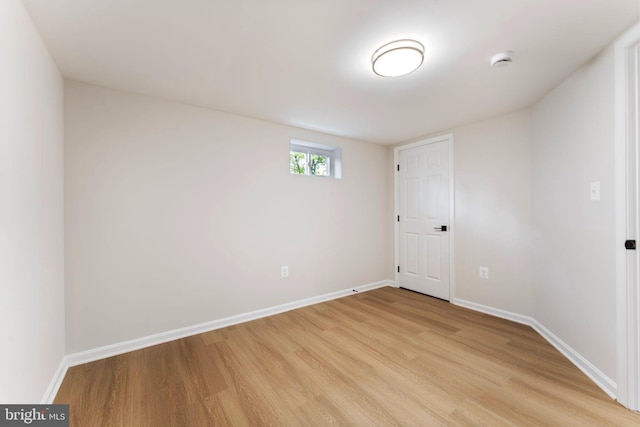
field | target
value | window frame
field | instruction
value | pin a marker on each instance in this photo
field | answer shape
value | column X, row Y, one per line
column 331, row 153
column 308, row 152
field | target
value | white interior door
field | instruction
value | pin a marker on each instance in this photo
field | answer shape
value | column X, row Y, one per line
column 423, row 206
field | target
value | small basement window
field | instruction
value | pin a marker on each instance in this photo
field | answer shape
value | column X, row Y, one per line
column 309, row 158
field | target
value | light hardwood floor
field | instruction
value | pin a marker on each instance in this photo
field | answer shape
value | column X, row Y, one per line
column 381, row 358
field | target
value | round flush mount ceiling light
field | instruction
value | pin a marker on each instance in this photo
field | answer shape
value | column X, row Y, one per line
column 397, row 58
column 502, row 59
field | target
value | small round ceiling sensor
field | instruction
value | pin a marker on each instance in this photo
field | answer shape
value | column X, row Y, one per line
column 502, row 59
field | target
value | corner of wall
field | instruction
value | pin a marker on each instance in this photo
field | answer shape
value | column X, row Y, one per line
column 32, row 226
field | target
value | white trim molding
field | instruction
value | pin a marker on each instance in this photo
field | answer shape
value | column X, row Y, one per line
column 627, row 182
column 163, row 337
column 597, row 376
column 497, row 312
column 87, row 356
column 56, row 382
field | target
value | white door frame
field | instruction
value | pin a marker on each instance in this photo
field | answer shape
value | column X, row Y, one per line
column 448, row 138
column 626, row 181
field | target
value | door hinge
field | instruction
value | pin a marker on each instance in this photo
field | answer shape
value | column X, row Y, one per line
column 398, row 168
column 398, row 269
column 398, row 218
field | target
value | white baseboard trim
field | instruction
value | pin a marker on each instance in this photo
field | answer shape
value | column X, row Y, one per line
column 597, row 376
column 163, row 337
column 56, row 381
column 497, row 312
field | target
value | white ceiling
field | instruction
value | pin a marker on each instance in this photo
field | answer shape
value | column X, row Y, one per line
column 307, row 63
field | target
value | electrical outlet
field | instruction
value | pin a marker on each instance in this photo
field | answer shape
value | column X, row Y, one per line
column 284, row 271
column 484, row 272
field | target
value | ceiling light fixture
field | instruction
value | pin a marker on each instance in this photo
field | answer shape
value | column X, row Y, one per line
column 502, row 59
column 398, row 58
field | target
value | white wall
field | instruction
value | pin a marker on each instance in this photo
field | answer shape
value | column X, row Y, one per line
column 493, row 212
column 32, row 338
column 178, row 215
column 574, row 252
column 492, row 167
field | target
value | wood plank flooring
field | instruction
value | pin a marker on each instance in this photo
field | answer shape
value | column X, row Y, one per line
column 382, row 358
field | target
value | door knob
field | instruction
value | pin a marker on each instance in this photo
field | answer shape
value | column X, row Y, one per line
column 441, row 228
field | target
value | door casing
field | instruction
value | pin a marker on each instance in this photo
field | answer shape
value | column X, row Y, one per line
column 627, row 188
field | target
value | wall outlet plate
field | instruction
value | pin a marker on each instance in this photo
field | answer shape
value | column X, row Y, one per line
column 284, row 271
column 484, row 272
